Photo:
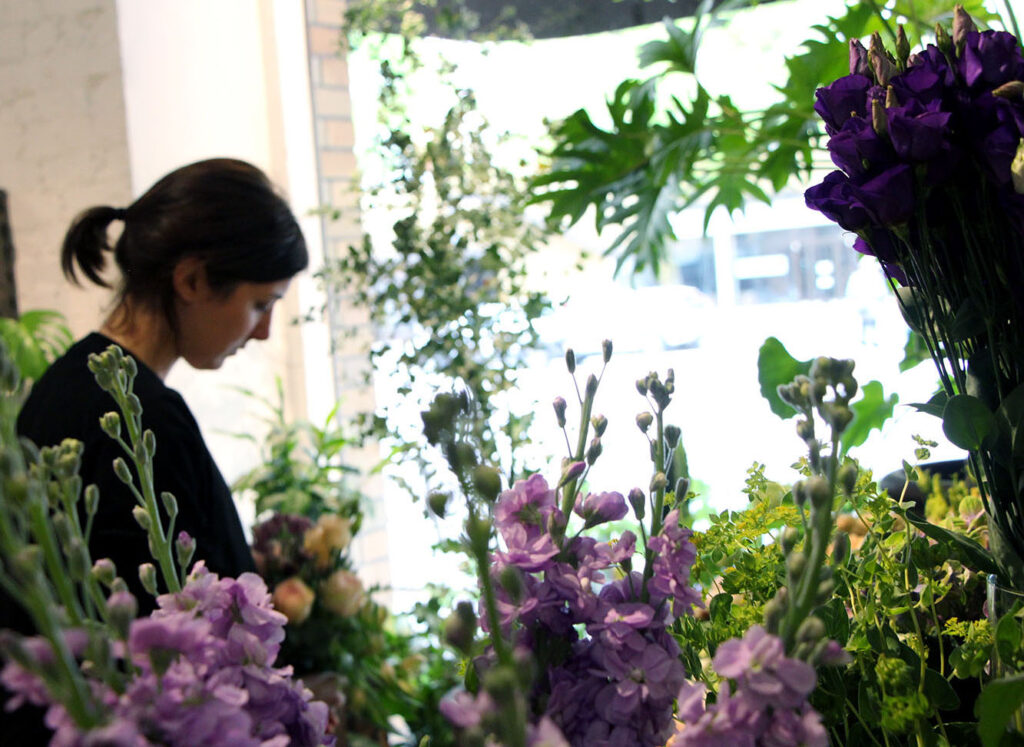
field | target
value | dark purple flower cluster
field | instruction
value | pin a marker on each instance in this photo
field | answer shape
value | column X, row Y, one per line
column 203, row 675
column 768, row 707
column 924, row 147
column 277, row 544
column 597, row 629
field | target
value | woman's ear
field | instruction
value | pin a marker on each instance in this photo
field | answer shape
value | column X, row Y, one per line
column 189, row 279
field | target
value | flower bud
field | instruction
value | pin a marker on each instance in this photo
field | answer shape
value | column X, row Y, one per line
column 594, row 451
column 902, row 47
column 963, row 25
column 840, row 547
column 600, row 423
column 819, row 491
column 511, row 580
column 437, row 502
column 825, row 591
column 1013, row 89
column 658, row 482
column 570, row 360
column 858, row 59
column 638, row 502
column 121, row 470
column 570, row 471
column 92, row 499
column 775, row 610
column 184, row 548
column 142, row 518
column 479, row 532
column 62, row 527
column 591, row 386
column 104, row 571
column 294, row 599
column 943, row 40
column 147, row 575
column 77, row 555
column 796, row 563
column 487, row 481
column 790, row 536
column 641, row 386
column 1017, row 169
column 132, row 405
column 846, row 477
column 879, row 123
column 460, row 628
column 682, row 488
column 559, row 405
column 606, row 350
column 170, row 504
column 811, row 630
column 643, row 421
column 110, row 423
column 122, row 608
column 880, row 61
column 672, row 434
column 149, row 442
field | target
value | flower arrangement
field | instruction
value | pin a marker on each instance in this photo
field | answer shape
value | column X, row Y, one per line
column 199, row 670
column 592, row 641
column 381, row 674
column 931, row 180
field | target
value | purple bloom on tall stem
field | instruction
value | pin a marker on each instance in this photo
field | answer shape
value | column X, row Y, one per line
column 991, row 58
column 601, row 507
column 844, row 98
column 529, row 504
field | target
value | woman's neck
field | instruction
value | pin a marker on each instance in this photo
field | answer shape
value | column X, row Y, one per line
column 144, row 333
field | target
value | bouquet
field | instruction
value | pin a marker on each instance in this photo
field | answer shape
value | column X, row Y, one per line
column 931, row 180
column 199, row 670
column 587, row 639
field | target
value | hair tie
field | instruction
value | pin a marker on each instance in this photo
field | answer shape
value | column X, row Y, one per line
column 120, row 213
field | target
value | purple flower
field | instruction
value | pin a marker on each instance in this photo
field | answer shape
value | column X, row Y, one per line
column 919, row 132
column 527, row 504
column 529, row 552
column 857, row 149
column 991, row 58
column 844, row 98
column 601, row 507
column 673, row 558
column 759, row 664
column 158, row 641
column 837, row 198
column 790, row 727
column 466, row 710
column 889, row 196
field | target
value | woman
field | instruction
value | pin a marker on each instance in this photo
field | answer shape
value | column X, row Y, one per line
column 203, row 256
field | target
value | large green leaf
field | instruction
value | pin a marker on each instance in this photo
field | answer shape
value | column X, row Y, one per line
column 996, row 706
column 973, row 555
column 870, row 413
column 776, row 367
column 967, row 422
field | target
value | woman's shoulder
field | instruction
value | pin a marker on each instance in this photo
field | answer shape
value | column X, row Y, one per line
column 66, row 397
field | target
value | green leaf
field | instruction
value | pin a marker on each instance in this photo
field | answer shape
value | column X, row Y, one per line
column 914, row 352
column 939, row 691
column 776, row 367
column 870, row 413
column 967, row 422
column 995, row 707
column 973, row 555
column 1007, row 637
column 933, row 406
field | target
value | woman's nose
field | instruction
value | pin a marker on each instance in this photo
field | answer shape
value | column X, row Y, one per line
column 262, row 329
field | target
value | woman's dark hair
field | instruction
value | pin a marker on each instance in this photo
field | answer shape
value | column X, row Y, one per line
column 224, row 211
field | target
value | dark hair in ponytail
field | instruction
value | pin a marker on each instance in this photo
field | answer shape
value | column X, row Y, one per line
column 223, row 211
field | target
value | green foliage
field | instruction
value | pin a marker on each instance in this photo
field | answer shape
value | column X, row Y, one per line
column 302, row 471
column 448, row 296
column 775, row 367
column 870, row 413
column 34, row 340
column 655, row 159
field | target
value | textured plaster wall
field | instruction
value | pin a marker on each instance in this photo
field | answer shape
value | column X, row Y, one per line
column 63, row 141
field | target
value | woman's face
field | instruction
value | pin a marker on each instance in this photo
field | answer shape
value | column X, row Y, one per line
column 212, row 325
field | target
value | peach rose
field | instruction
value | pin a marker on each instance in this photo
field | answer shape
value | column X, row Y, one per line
column 329, row 536
column 294, row 599
column 342, row 593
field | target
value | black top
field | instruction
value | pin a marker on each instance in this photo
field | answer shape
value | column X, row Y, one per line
column 66, row 402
